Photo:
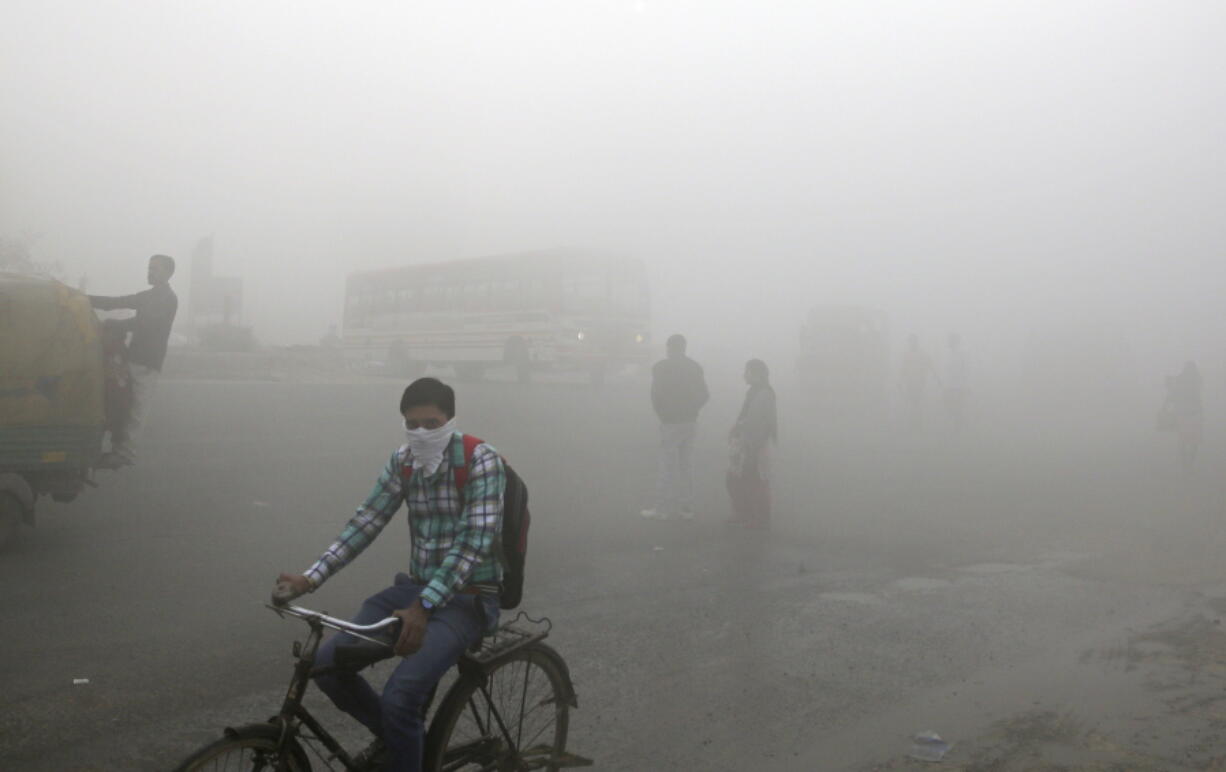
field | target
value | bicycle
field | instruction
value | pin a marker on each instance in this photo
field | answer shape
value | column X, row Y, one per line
column 508, row 709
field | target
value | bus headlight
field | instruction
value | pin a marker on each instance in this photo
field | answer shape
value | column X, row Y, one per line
column 581, row 335
column 639, row 338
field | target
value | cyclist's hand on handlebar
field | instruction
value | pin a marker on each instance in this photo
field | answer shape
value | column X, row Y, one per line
column 412, row 628
column 289, row 586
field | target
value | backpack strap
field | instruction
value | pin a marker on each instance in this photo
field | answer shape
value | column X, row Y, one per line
column 461, row 470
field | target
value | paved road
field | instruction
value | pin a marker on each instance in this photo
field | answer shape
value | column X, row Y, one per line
column 902, row 576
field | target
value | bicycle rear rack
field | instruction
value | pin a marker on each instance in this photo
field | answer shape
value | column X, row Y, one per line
column 516, row 634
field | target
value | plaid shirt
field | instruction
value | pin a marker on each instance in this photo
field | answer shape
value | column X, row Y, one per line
column 454, row 542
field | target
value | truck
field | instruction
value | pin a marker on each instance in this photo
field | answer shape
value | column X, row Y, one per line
column 52, row 396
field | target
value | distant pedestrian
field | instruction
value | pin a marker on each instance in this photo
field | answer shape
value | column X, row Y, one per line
column 150, row 330
column 913, row 380
column 955, row 384
column 755, row 431
column 1186, row 412
column 678, row 392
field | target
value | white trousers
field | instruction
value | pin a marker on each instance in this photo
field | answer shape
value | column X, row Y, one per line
column 675, row 492
column 144, row 384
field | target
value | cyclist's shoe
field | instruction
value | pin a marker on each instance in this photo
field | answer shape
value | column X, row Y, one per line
column 654, row 514
column 373, row 757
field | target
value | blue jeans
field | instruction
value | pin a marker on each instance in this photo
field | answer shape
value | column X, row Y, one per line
column 398, row 716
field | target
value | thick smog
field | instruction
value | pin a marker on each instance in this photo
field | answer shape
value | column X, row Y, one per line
column 640, row 385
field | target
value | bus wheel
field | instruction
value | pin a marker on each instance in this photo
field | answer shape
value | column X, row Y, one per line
column 469, row 372
column 516, row 355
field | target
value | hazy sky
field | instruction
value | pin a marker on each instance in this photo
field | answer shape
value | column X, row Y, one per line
column 991, row 166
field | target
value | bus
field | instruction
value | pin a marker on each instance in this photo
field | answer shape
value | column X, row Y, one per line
column 554, row 309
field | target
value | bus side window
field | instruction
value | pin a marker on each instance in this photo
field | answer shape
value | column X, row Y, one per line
column 457, row 297
column 505, row 295
column 433, row 298
column 550, row 297
column 476, row 296
column 535, row 294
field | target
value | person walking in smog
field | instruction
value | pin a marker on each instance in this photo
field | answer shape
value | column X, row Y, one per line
column 913, row 379
column 678, row 392
column 150, row 331
column 450, row 595
column 955, row 384
column 755, row 431
column 1186, row 411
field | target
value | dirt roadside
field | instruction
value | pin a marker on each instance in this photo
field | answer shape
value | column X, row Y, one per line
column 1151, row 698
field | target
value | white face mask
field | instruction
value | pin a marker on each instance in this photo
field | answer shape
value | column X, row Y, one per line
column 428, row 445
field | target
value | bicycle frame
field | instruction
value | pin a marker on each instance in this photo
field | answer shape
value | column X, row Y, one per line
column 292, row 710
column 293, row 713
column 296, row 721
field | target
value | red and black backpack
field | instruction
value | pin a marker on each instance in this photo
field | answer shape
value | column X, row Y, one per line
column 512, row 549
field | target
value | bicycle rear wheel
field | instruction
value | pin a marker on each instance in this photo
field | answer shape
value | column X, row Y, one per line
column 521, row 725
column 248, row 749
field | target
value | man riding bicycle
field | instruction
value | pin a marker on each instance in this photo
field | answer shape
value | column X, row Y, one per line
column 450, row 594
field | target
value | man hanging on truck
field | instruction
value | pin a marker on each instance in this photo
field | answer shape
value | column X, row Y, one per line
column 150, row 331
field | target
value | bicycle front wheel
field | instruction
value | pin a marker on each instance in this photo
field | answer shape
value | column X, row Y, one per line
column 248, row 749
column 517, row 721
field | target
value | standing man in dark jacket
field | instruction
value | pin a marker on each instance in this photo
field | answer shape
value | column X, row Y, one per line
column 678, row 392
column 150, row 330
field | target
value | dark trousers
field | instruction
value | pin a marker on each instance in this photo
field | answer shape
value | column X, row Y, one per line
column 398, row 715
column 751, row 498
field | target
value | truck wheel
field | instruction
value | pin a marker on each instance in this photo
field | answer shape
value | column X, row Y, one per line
column 10, row 520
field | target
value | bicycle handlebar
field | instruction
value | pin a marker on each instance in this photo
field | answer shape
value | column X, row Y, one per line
column 353, row 629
